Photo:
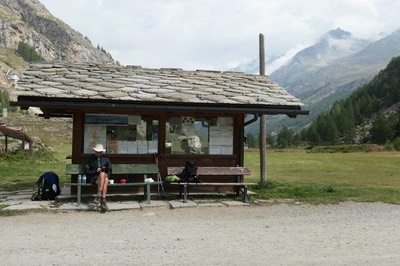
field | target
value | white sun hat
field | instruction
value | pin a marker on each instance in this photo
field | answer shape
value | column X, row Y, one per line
column 99, row 148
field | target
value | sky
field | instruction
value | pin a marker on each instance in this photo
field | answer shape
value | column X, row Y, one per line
column 218, row 34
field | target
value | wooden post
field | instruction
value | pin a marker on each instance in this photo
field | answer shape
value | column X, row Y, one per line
column 6, row 139
column 263, row 122
column 262, row 55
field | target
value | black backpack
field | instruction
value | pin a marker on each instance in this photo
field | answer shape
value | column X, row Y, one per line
column 48, row 186
column 189, row 173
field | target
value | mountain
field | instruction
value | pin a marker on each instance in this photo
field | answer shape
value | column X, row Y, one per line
column 303, row 71
column 369, row 115
column 29, row 22
column 330, row 70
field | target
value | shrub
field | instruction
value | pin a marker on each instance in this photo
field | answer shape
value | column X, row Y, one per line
column 339, row 148
column 396, row 144
column 28, row 53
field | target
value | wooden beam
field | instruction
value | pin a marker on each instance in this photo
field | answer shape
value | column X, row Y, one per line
column 263, row 122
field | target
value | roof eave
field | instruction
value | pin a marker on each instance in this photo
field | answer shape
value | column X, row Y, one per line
column 58, row 106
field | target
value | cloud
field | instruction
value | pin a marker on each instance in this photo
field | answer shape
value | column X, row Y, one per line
column 209, row 34
column 283, row 59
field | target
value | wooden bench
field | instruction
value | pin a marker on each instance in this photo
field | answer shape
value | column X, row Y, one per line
column 127, row 169
column 239, row 172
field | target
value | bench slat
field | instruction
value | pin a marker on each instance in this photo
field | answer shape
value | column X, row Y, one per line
column 74, row 169
column 224, row 170
column 116, row 184
column 213, row 184
column 135, row 168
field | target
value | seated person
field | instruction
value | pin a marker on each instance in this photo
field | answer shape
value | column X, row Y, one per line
column 98, row 171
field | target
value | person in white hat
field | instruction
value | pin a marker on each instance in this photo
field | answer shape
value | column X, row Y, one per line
column 98, row 171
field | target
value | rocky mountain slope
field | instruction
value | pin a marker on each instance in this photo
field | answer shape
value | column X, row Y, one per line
column 369, row 115
column 335, row 65
column 28, row 21
column 319, row 87
column 330, row 70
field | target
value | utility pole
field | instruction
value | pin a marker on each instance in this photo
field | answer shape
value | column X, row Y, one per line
column 263, row 122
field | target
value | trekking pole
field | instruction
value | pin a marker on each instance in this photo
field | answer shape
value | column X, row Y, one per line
column 160, row 186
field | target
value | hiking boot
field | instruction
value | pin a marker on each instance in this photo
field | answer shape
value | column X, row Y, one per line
column 96, row 200
column 103, row 205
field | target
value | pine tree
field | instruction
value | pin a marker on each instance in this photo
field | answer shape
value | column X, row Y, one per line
column 312, row 135
column 285, row 138
column 381, row 130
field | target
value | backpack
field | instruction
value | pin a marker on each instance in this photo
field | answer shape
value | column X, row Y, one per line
column 48, row 186
column 189, row 173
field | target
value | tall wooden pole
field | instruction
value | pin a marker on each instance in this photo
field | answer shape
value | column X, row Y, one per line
column 263, row 122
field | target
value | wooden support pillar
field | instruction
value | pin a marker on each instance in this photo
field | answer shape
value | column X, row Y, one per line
column 263, row 122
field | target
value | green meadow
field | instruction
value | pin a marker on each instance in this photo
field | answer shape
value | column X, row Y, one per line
column 328, row 177
column 315, row 178
column 20, row 171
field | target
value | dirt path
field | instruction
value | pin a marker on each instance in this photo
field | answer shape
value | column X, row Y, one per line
column 345, row 234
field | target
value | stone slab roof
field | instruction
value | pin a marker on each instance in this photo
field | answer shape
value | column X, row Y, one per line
column 136, row 84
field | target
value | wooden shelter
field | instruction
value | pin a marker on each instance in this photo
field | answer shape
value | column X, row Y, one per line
column 16, row 134
column 138, row 113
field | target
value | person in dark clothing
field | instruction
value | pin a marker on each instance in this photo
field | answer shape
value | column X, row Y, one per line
column 185, row 146
column 98, row 171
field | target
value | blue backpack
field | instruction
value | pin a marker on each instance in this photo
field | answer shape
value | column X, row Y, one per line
column 48, row 186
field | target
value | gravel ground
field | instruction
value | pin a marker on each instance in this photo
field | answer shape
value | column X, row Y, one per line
column 345, row 234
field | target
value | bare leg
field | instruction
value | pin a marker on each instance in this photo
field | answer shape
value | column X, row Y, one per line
column 102, row 184
column 105, row 185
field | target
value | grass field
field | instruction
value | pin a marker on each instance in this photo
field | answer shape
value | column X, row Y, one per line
column 329, row 177
column 20, row 171
column 296, row 174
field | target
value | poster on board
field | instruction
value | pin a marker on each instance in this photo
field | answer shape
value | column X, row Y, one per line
column 94, row 134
